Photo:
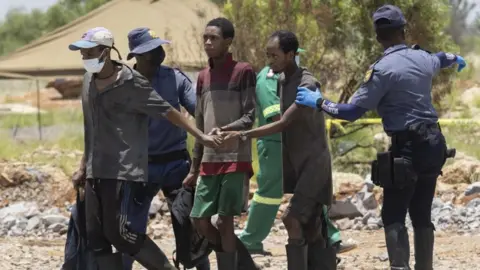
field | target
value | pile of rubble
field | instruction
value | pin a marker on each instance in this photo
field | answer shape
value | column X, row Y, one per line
column 456, row 206
column 44, row 184
column 34, row 200
column 27, row 219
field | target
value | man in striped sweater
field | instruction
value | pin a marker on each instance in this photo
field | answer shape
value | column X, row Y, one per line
column 225, row 102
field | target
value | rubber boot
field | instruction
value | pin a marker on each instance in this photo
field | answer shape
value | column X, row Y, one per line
column 297, row 256
column 112, row 261
column 321, row 257
column 396, row 238
column 227, row 260
column 245, row 260
column 152, row 257
column 424, row 240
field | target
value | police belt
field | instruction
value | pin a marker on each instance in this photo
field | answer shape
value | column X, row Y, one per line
column 169, row 157
column 413, row 133
column 392, row 171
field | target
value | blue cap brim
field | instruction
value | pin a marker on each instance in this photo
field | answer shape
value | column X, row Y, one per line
column 147, row 46
column 82, row 44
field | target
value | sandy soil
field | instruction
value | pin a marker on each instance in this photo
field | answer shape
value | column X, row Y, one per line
column 452, row 252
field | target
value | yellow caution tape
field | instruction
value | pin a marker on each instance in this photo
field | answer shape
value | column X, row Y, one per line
column 444, row 121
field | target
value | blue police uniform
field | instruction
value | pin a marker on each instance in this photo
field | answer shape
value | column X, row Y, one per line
column 169, row 161
column 399, row 87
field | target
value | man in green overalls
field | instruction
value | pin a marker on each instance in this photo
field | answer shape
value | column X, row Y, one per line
column 268, row 197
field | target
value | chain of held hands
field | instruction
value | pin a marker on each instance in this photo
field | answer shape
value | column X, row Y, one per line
column 224, row 136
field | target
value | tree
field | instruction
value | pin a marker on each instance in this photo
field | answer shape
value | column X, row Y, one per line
column 458, row 27
column 20, row 28
column 338, row 35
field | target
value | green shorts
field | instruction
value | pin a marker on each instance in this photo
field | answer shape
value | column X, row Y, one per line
column 219, row 194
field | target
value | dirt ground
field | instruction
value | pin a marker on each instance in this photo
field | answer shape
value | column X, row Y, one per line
column 451, row 252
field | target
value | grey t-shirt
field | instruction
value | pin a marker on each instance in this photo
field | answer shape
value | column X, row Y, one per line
column 399, row 87
column 116, row 126
column 306, row 161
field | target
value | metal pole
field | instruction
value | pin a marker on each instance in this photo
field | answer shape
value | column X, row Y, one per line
column 39, row 118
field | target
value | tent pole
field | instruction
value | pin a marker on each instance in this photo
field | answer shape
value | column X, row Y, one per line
column 39, row 118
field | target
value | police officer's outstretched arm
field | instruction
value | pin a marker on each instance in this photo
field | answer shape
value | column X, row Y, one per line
column 446, row 60
column 365, row 98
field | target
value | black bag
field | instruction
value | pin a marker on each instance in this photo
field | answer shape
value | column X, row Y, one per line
column 191, row 247
column 77, row 256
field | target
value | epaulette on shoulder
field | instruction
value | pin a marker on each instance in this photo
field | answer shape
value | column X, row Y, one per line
column 183, row 73
column 417, row 47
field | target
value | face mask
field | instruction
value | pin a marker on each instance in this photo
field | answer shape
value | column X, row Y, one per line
column 297, row 59
column 94, row 65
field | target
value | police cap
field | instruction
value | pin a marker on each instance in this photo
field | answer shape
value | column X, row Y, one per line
column 390, row 13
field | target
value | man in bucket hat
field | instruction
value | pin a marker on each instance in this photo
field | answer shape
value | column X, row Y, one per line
column 169, row 160
column 117, row 103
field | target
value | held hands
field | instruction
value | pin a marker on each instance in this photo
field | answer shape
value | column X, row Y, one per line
column 224, row 136
column 308, row 98
column 460, row 62
column 211, row 140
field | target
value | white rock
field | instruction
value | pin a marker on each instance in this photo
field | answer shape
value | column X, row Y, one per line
column 57, row 227
column 22, row 223
column 33, row 223
column 9, row 222
column 53, row 219
column 20, row 209
column 155, row 206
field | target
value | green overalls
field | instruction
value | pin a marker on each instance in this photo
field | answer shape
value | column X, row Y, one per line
column 268, row 197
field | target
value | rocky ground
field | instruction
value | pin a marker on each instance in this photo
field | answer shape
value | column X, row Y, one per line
column 452, row 251
column 35, row 202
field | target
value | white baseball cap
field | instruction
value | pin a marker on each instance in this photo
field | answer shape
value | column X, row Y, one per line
column 92, row 38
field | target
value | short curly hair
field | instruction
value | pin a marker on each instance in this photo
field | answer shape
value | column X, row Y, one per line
column 287, row 40
column 226, row 27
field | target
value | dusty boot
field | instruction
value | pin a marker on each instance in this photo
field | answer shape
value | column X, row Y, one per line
column 227, row 260
column 112, row 261
column 297, row 257
column 424, row 239
column 396, row 238
column 245, row 260
column 152, row 257
column 321, row 257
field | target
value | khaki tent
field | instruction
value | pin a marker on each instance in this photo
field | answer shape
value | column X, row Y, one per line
column 180, row 21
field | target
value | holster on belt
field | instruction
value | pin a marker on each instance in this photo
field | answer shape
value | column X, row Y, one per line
column 392, row 170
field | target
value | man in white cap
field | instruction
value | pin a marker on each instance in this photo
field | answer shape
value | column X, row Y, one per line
column 117, row 103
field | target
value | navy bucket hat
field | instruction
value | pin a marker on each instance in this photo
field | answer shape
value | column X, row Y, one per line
column 142, row 40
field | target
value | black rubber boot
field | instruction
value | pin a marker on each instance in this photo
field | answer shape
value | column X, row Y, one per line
column 424, row 240
column 245, row 260
column 321, row 257
column 396, row 238
column 112, row 261
column 152, row 257
column 297, row 257
column 227, row 260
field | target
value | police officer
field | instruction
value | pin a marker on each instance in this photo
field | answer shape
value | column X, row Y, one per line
column 398, row 86
column 169, row 161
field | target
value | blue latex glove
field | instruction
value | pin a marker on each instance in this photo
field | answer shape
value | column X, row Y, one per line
column 461, row 63
column 308, row 98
